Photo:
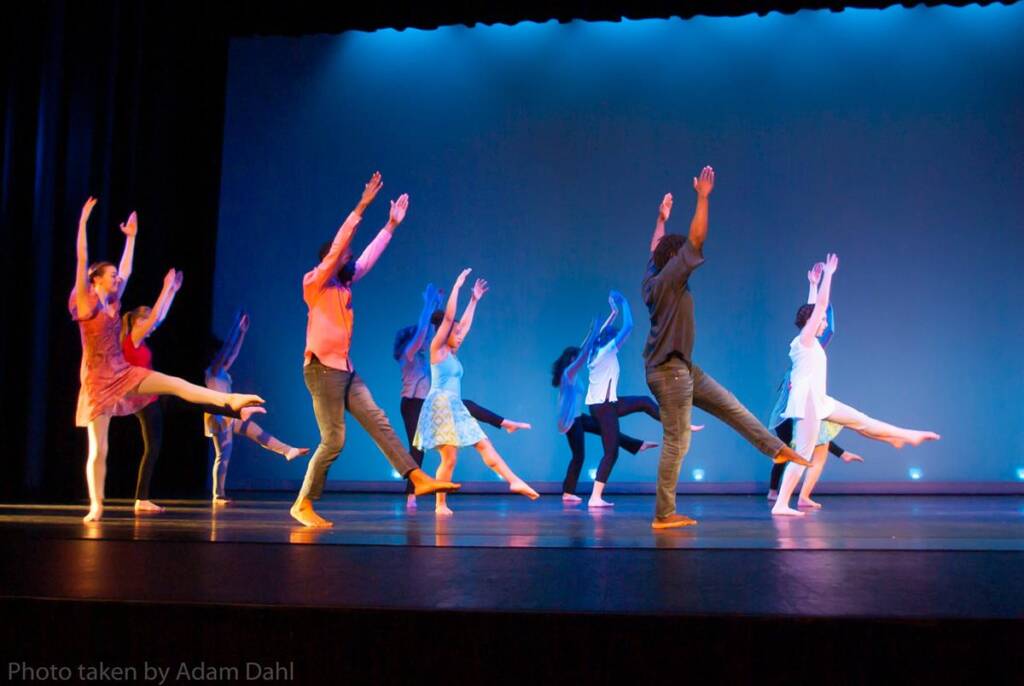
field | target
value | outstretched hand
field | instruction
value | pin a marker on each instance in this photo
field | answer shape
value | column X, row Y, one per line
column 831, row 263
column 87, row 210
column 665, row 210
column 170, row 277
column 398, row 209
column 705, row 183
column 814, row 275
column 131, row 227
column 371, row 189
column 462, row 277
column 479, row 289
column 178, row 278
column 243, row 323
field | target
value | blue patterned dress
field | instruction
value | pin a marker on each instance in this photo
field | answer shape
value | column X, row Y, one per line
column 444, row 420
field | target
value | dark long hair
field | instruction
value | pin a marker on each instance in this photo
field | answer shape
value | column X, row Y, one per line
column 563, row 361
column 803, row 314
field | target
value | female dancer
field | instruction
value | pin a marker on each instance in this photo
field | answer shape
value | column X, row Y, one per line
column 829, row 430
column 221, row 430
column 111, row 386
column 809, row 404
column 136, row 327
column 412, row 356
column 445, row 423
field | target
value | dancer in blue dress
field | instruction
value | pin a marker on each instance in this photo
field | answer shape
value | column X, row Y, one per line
column 444, row 422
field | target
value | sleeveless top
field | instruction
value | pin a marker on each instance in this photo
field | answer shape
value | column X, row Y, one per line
column 807, row 380
column 446, row 376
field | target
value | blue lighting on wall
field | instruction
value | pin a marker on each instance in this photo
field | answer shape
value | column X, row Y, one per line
column 915, row 473
column 698, row 474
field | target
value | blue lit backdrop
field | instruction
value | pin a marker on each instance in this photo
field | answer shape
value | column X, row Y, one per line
column 538, row 154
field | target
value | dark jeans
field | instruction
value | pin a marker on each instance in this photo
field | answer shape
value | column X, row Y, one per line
column 678, row 388
column 411, row 415
column 785, row 432
column 586, row 423
column 607, row 416
column 151, row 422
column 335, row 391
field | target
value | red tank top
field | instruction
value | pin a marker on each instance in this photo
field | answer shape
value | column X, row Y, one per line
column 138, row 357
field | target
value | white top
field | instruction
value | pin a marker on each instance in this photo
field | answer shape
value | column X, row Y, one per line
column 807, row 381
column 604, row 376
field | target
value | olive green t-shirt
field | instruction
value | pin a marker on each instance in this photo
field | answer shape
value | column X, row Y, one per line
column 670, row 305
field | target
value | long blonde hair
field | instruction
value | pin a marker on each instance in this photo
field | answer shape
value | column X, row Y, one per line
column 128, row 320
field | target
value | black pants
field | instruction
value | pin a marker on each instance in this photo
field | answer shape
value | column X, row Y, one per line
column 607, row 416
column 785, row 432
column 151, row 422
column 587, row 424
column 411, row 407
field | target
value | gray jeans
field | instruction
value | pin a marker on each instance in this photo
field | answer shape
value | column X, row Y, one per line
column 335, row 391
column 677, row 388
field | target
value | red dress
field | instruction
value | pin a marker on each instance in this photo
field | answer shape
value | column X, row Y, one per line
column 138, row 357
column 107, row 379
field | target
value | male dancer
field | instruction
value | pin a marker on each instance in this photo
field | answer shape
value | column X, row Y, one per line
column 677, row 383
column 328, row 371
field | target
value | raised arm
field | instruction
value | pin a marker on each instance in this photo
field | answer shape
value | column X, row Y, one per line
column 124, row 270
column 82, row 261
column 466, row 322
column 664, row 211
column 232, row 344
column 242, row 329
column 431, row 299
column 807, row 334
column 622, row 304
column 813, row 279
column 703, row 185
column 581, row 358
column 157, row 313
column 328, row 266
column 375, row 249
column 449, row 314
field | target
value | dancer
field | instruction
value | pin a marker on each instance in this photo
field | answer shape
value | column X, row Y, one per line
column 136, row 326
column 415, row 362
column 829, row 430
column 327, row 369
column 809, row 403
column 110, row 386
column 445, row 423
column 221, row 430
column 677, row 383
column 605, row 406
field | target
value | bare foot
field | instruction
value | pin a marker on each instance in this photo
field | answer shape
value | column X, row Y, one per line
column 410, row 502
column 571, row 499
column 304, row 514
column 787, row 454
column 807, row 502
column 147, row 507
column 237, row 401
column 95, row 514
column 424, row 484
column 295, row 452
column 443, row 511
column 512, row 426
column 785, row 510
column 221, row 500
column 919, row 437
column 523, row 488
column 599, row 502
column 647, row 445
column 773, row 495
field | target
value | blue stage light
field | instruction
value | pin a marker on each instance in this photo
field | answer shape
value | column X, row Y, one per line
column 395, row 474
column 698, row 474
column 1020, row 473
column 593, row 474
column 915, row 473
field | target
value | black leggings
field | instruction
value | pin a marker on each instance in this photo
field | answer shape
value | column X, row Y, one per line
column 151, row 422
column 411, row 408
column 607, row 416
column 785, row 432
column 587, row 424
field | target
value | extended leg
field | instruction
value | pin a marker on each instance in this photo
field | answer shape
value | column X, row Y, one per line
column 493, row 460
column 873, row 428
column 258, row 434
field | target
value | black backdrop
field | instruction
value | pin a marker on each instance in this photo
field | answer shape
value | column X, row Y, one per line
column 125, row 101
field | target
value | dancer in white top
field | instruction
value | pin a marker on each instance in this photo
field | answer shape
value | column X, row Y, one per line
column 809, row 403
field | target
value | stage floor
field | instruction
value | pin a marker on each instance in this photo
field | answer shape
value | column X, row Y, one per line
column 878, row 556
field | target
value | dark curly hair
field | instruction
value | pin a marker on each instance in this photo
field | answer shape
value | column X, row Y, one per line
column 668, row 246
column 402, row 338
column 803, row 314
column 563, row 361
column 347, row 271
column 436, row 318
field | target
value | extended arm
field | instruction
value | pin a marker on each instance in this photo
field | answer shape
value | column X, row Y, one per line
column 627, row 319
column 449, row 314
column 232, row 344
column 574, row 367
column 124, row 270
column 328, row 266
column 807, row 334
column 813, row 279
column 158, row 312
column 375, row 249
column 479, row 290
column 430, row 302
column 664, row 211
column 703, row 185
column 82, row 261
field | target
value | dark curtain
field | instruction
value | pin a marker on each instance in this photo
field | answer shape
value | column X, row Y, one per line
column 124, row 101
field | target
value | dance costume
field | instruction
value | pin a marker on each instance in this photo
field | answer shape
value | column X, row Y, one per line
column 444, row 419
column 151, row 418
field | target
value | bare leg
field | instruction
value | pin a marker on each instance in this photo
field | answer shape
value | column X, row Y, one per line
column 596, row 499
column 880, row 431
column 813, row 474
column 255, row 432
column 493, row 460
column 805, row 435
column 96, row 466
column 449, row 455
column 164, row 384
